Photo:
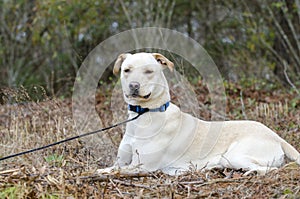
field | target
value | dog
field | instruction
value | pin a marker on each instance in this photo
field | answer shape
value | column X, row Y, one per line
column 166, row 139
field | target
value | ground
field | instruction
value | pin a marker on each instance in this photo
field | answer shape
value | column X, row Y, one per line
column 68, row 170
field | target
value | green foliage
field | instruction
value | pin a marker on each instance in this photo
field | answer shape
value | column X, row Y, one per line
column 12, row 192
column 44, row 42
column 287, row 192
column 22, row 191
column 55, row 159
column 50, row 196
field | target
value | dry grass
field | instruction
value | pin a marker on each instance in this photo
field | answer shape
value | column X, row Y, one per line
column 67, row 171
column 66, row 183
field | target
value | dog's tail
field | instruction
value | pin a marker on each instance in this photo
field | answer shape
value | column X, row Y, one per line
column 290, row 152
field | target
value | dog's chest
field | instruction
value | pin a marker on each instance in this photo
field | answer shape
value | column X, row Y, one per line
column 148, row 127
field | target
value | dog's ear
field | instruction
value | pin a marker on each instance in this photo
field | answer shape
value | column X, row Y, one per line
column 119, row 62
column 163, row 61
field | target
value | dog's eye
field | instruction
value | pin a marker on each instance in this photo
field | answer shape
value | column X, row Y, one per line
column 127, row 70
column 148, row 71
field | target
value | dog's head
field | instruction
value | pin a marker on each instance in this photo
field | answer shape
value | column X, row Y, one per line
column 142, row 78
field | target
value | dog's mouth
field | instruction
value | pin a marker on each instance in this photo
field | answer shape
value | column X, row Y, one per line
column 136, row 95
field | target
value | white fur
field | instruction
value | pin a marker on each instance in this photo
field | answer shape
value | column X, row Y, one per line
column 173, row 141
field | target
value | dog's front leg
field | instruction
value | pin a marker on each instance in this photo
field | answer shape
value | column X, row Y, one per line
column 124, row 156
column 124, row 159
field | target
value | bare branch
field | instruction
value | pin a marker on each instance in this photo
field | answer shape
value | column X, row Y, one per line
column 284, row 36
column 285, row 65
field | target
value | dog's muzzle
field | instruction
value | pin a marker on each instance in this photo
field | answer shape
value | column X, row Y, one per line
column 134, row 91
column 134, row 88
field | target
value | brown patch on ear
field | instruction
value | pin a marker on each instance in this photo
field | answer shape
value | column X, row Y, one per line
column 119, row 62
column 163, row 61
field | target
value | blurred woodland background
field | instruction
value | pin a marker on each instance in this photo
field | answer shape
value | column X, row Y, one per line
column 43, row 43
column 254, row 43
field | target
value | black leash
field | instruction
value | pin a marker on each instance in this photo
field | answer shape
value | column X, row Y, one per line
column 72, row 138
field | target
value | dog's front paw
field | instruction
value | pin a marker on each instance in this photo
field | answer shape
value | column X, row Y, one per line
column 108, row 170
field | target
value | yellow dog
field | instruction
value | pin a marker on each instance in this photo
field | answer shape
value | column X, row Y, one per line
column 164, row 138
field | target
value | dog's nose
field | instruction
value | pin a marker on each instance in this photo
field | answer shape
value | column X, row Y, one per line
column 134, row 86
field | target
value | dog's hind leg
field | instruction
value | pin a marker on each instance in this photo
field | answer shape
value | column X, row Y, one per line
column 260, row 170
column 263, row 156
column 247, row 163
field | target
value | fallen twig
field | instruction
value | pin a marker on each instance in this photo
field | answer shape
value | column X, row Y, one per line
column 9, row 171
column 133, row 185
column 106, row 177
